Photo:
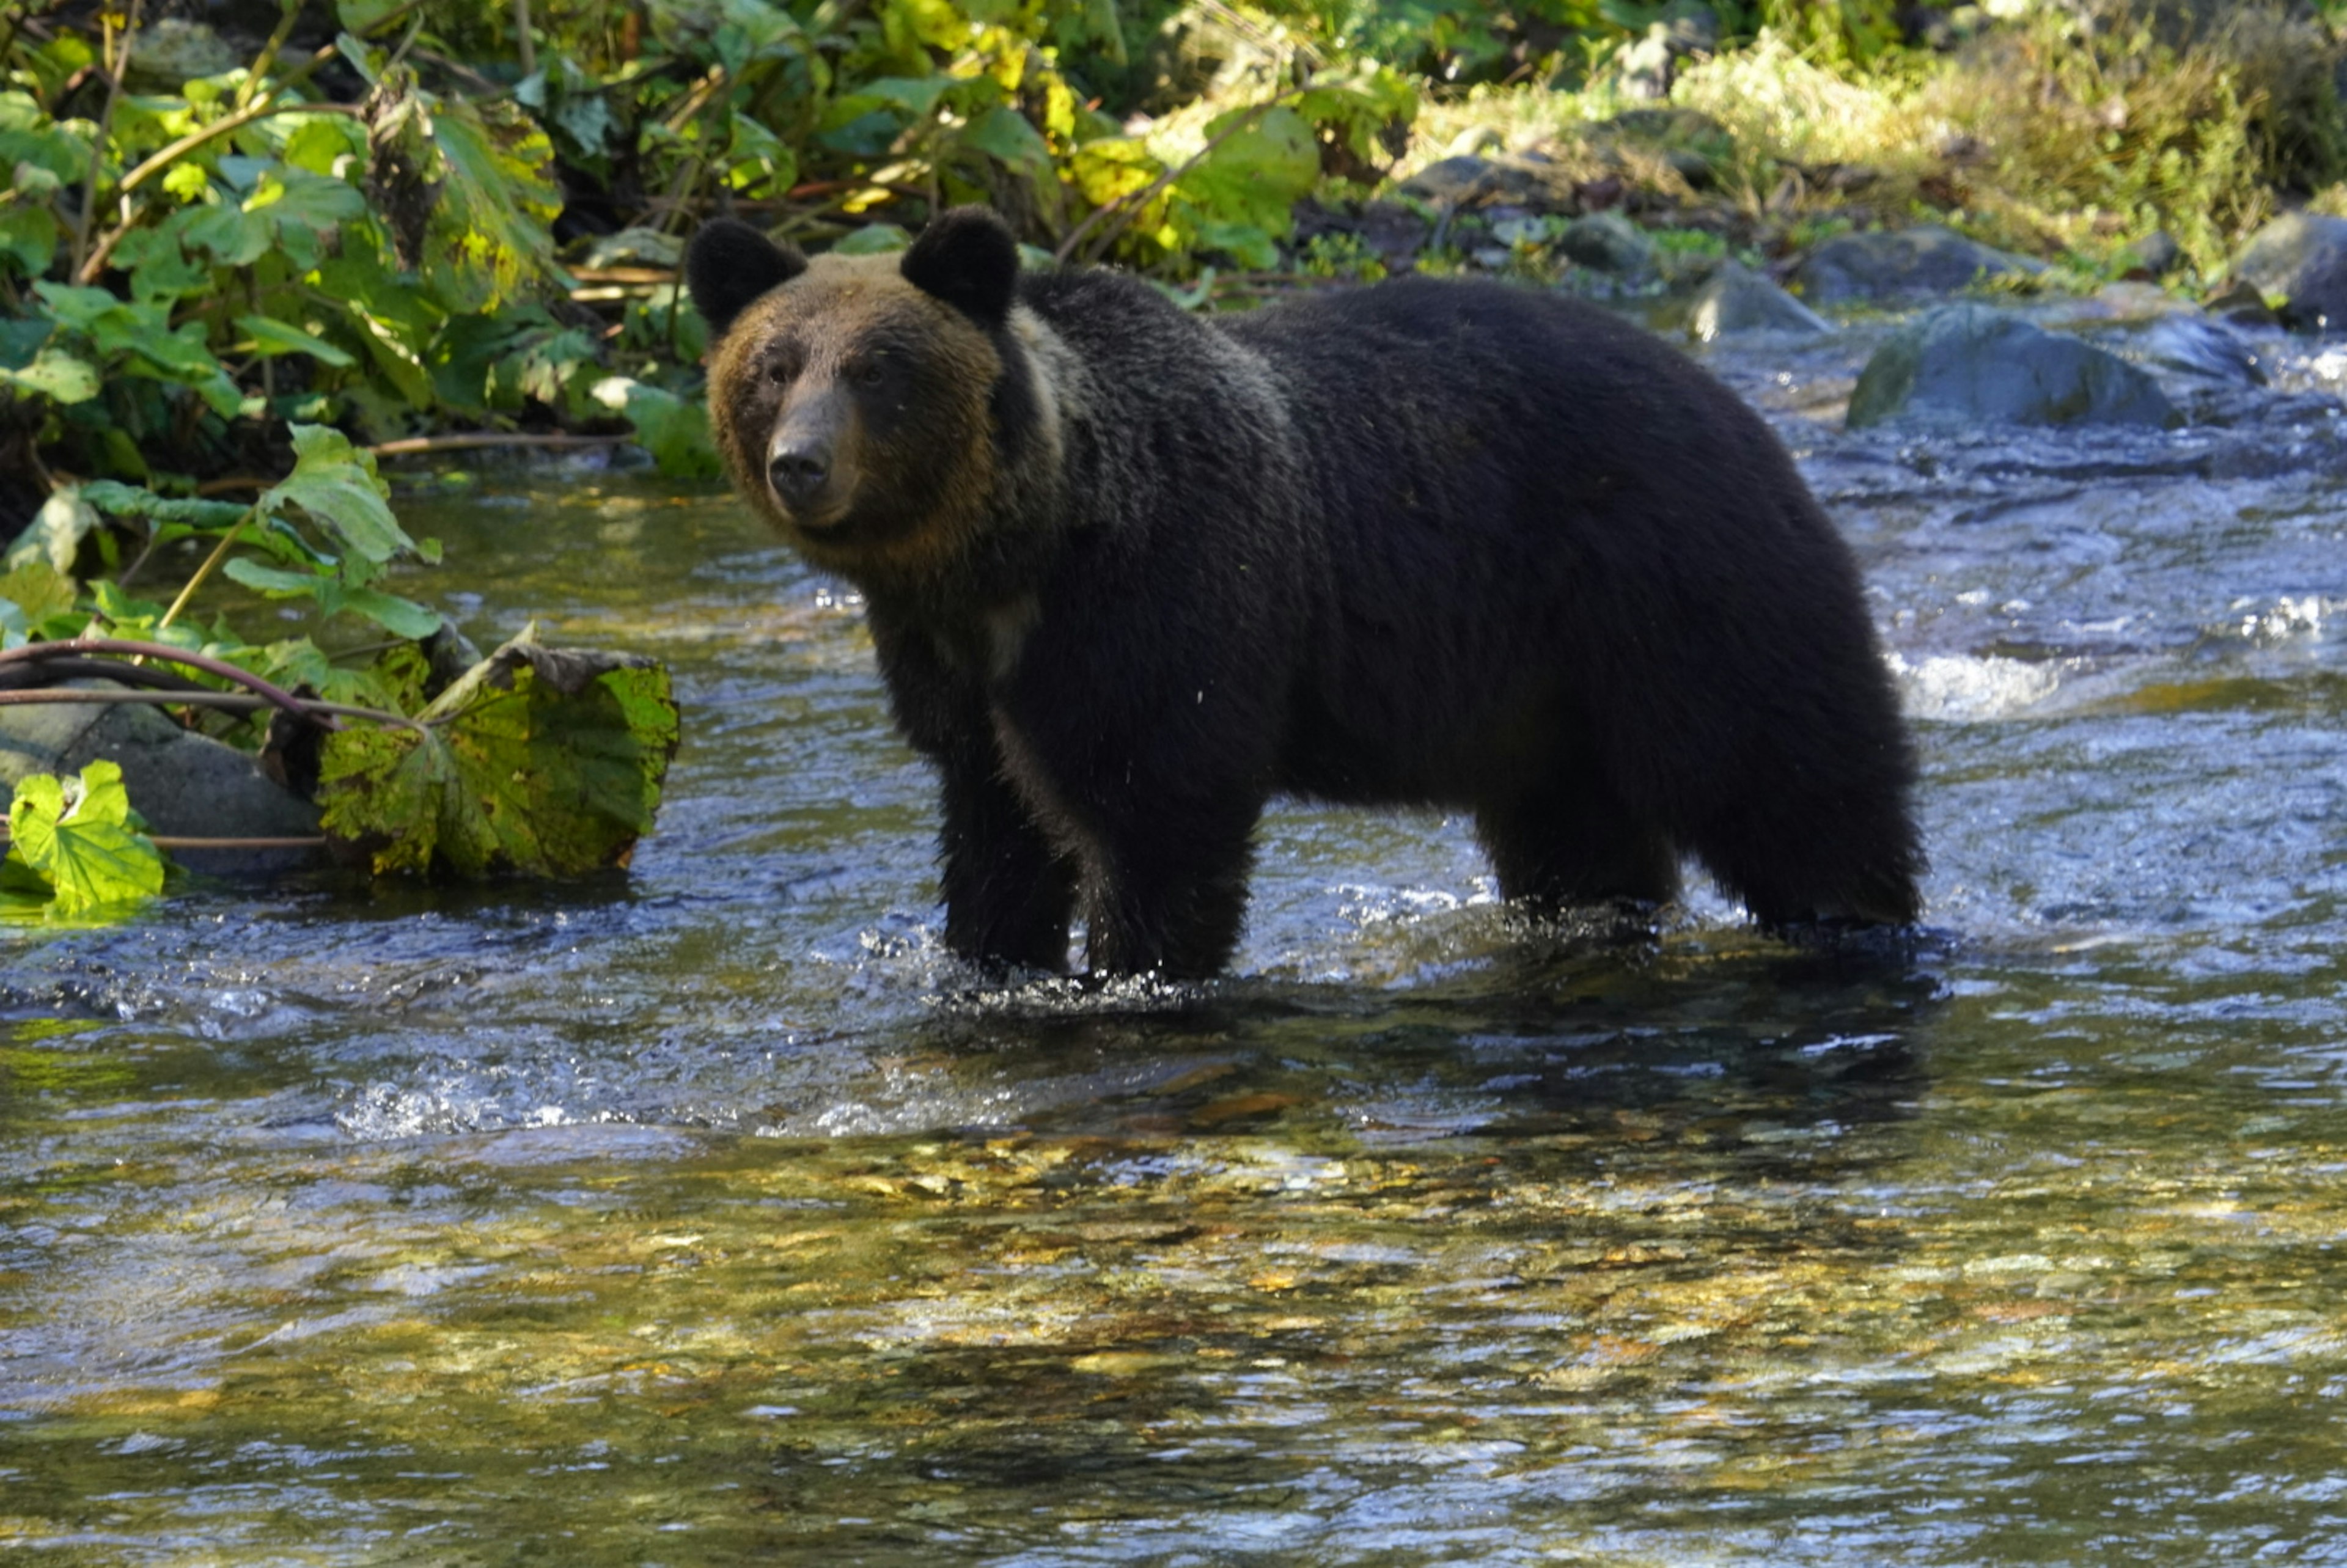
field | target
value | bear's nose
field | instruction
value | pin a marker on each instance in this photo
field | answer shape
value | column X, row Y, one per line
column 797, row 473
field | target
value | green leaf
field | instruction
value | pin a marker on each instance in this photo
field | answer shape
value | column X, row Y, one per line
column 39, row 590
column 56, row 532
column 675, row 431
column 28, row 236
column 56, row 376
column 337, row 484
column 873, row 240
column 400, row 617
column 487, row 236
column 122, row 500
column 1004, row 134
column 79, row 838
column 272, row 338
column 275, row 583
column 545, row 762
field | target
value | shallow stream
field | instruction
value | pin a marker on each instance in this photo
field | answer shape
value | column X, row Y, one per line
column 709, row 1214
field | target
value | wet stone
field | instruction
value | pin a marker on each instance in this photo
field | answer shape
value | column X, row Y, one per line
column 1971, row 365
column 184, row 784
column 1735, row 299
column 1926, row 261
column 1607, row 243
column 2302, row 258
column 2199, row 346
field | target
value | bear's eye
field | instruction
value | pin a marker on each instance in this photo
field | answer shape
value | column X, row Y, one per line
column 782, row 369
column 869, row 372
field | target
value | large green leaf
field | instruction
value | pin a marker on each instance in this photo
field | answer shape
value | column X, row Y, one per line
column 544, row 762
column 271, row 338
column 490, row 237
column 78, row 837
column 336, row 484
column 56, row 374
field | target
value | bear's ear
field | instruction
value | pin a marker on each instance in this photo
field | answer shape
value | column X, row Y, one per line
column 966, row 257
column 729, row 265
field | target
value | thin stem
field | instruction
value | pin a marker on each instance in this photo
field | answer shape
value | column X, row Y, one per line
column 289, row 12
column 467, row 440
column 212, row 563
column 163, row 652
column 183, row 841
column 115, row 71
column 522, row 43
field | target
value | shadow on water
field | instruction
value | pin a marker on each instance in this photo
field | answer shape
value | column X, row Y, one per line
column 710, row 1214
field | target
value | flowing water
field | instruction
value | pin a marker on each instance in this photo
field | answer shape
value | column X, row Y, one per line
column 709, row 1214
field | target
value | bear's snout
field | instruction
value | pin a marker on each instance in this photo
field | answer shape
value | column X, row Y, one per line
column 798, row 471
column 810, row 459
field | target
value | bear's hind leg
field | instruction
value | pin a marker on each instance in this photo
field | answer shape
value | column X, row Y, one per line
column 1568, row 840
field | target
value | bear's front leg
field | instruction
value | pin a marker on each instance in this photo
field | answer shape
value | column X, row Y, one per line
column 1009, row 894
column 1170, row 891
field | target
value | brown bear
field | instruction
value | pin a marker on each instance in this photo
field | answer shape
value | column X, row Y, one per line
column 1131, row 572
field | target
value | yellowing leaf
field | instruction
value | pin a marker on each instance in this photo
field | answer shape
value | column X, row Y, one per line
column 542, row 761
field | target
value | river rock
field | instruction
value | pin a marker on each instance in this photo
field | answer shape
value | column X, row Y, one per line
column 1607, row 243
column 2300, row 258
column 1470, row 179
column 1969, row 363
column 2199, row 346
column 1735, row 299
column 2155, row 255
column 183, row 784
column 1926, row 261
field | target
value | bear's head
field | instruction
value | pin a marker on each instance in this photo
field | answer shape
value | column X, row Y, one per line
column 858, row 400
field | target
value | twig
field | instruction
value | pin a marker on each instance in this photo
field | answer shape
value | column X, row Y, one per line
column 182, row 841
column 468, row 440
column 116, row 70
column 522, row 43
column 33, row 653
column 289, row 12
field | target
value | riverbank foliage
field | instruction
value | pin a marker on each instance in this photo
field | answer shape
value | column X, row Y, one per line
column 407, row 217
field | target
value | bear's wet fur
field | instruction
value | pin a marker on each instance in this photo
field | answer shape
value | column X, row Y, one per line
column 1131, row 572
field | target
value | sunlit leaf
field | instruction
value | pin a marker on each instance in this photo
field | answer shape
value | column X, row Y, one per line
column 337, row 483
column 77, row 836
column 277, row 338
column 56, row 374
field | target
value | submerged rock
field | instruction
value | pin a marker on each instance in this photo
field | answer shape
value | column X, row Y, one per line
column 2301, row 259
column 1969, row 363
column 2199, row 346
column 184, row 784
column 1926, row 261
column 1737, row 300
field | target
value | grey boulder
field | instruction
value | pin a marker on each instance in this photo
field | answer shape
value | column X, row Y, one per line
column 1735, row 299
column 2301, row 259
column 1887, row 263
column 1966, row 364
column 184, row 784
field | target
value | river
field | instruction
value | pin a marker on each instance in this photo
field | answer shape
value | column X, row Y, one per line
column 708, row 1213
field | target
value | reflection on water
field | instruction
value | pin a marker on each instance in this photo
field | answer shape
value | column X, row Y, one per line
column 710, row 1214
